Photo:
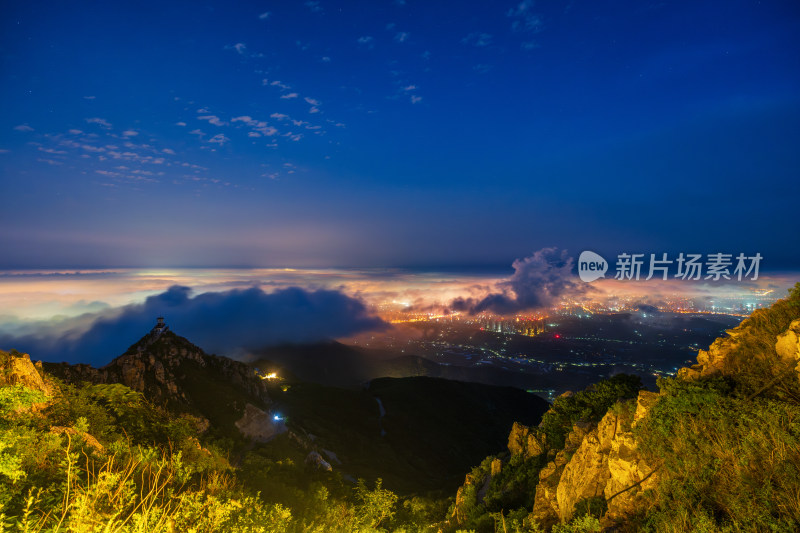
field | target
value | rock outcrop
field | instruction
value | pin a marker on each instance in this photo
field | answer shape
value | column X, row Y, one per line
column 258, row 425
column 316, row 460
column 17, row 369
column 545, row 504
column 717, row 359
column 598, row 461
column 526, row 441
column 712, row 361
column 788, row 345
column 481, row 485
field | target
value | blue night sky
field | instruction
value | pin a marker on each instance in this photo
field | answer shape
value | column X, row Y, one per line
column 383, row 133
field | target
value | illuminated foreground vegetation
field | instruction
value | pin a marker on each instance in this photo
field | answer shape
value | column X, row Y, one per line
column 102, row 458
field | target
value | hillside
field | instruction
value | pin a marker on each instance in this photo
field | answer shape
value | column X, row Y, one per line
column 431, row 431
column 202, row 418
column 715, row 449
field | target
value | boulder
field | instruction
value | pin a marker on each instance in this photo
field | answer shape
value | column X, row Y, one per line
column 258, row 425
column 17, row 369
column 788, row 345
column 316, row 460
column 526, row 441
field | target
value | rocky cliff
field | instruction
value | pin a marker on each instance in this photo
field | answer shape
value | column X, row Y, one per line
column 17, row 369
column 598, row 462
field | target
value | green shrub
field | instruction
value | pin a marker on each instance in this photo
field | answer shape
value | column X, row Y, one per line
column 726, row 460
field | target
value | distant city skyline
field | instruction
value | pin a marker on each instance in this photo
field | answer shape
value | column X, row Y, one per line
column 395, row 134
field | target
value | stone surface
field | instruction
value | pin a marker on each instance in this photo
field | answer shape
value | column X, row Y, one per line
column 788, row 345
column 546, row 509
column 586, row 474
column 713, row 361
column 644, row 402
column 525, row 440
column 497, row 466
column 17, row 369
column 599, row 461
column 258, row 425
column 315, row 459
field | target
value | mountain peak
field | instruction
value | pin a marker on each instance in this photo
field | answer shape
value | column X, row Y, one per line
column 170, row 370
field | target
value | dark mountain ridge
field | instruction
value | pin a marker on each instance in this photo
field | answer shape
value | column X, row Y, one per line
column 171, row 371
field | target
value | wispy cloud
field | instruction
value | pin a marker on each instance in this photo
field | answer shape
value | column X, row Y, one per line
column 524, row 19
column 408, row 91
column 240, row 48
column 182, row 124
column 89, row 97
column 90, row 148
column 401, row 36
column 130, row 133
column 276, row 83
column 478, row 39
column 23, row 127
column 367, row 41
column 264, row 16
column 289, row 96
column 103, row 123
column 312, row 101
column 258, row 127
column 212, row 119
column 314, row 6
column 219, row 139
column 51, row 150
